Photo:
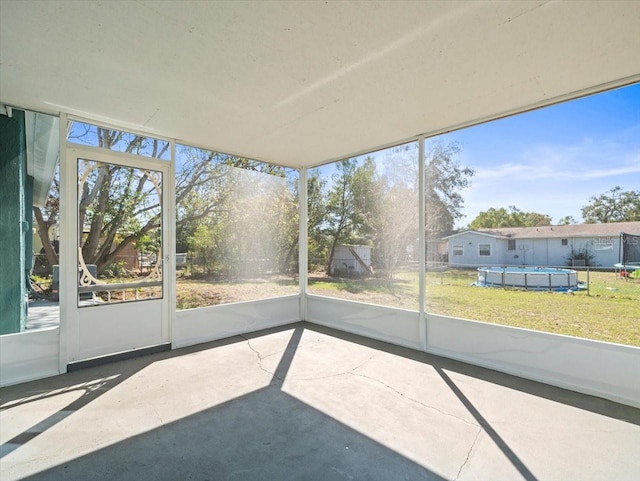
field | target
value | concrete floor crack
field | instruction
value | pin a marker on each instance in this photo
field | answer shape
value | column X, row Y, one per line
column 260, row 358
column 157, row 413
column 343, row 373
column 466, row 460
column 350, row 371
column 408, row 398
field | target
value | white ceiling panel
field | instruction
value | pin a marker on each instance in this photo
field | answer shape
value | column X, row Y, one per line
column 300, row 83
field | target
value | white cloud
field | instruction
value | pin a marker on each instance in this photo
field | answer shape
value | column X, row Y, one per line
column 632, row 168
column 583, row 161
column 556, row 180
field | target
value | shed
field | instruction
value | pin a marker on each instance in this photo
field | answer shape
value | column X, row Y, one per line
column 351, row 260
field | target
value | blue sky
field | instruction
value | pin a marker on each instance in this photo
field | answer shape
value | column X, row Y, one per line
column 553, row 160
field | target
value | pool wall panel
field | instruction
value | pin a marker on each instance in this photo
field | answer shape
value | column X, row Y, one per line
column 530, row 278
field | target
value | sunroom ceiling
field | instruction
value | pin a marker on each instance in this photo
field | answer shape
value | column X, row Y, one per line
column 300, row 83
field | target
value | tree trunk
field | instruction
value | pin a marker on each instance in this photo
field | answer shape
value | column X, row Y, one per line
column 284, row 266
column 331, row 254
column 43, row 233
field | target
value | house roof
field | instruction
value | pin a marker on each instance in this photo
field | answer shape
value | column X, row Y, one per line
column 302, row 83
column 42, row 142
column 611, row 229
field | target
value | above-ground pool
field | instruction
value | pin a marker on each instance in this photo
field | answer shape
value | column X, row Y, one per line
column 627, row 269
column 534, row 278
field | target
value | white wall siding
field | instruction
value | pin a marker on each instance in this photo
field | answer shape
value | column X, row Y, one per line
column 558, row 254
column 611, row 371
column 29, row 355
column 606, row 250
column 533, row 252
column 470, row 242
column 193, row 326
column 397, row 326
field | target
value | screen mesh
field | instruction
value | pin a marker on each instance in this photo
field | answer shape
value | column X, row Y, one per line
column 630, row 248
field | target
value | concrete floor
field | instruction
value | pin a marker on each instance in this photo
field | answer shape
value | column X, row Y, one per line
column 307, row 403
column 42, row 314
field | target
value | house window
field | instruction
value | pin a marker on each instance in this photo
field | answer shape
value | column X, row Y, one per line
column 565, row 242
column 484, row 249
column 458, row 250
column 511, row 245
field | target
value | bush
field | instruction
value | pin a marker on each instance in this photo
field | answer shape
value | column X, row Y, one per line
column 581, row 254
column 113, row 270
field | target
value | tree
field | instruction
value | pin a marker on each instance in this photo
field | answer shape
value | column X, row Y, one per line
column 567, row 220
column 316, row 212
column 286, row 220
column 346, row 213
column 202, row 247
column 375, row 202
column 258, row 228
column 445, row 178
column 250, row 212
column 395, row 225
column 46, row 217
column 118, row 206
column 615, row 205
column 513, row 217
column 533, row 219
column 394, row 210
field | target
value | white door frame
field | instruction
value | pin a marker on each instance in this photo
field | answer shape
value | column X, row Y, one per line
column 80, row 326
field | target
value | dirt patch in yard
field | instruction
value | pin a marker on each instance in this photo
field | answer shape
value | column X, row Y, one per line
column 200, row 293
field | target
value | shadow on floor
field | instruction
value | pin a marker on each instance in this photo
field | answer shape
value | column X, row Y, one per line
column 265, row 434
column 574, row 399
column 92, row 383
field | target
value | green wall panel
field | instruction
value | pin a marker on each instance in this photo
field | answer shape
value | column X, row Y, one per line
column 14, row 227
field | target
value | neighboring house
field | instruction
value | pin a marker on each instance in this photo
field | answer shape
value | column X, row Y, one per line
column 539, row 246
column 436, row 251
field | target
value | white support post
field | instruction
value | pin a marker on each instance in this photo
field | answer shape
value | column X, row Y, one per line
column 67, row 261
column 422, row 244
column 303, row 245
column 169, row 189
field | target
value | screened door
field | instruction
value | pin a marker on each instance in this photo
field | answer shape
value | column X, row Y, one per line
column 122, row 254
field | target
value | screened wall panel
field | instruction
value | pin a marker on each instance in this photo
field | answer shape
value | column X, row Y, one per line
column 236, row 229
column 363, row 228
column 524, row 216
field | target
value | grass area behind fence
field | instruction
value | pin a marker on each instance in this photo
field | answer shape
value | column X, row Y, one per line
column 610, row 311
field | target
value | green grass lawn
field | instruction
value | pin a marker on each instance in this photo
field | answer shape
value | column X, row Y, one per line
column 610, row 311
